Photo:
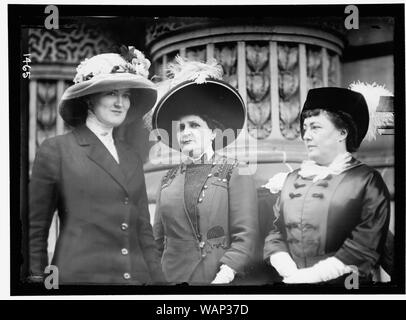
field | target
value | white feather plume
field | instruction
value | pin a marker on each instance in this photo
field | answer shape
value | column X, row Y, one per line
column 372, row 93
column 182, row 70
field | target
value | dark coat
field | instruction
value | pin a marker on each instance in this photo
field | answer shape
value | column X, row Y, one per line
column 227, row 213
column 345, row 215
column 105, row 230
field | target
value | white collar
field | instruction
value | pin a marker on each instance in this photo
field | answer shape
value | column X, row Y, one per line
column 209, row 154
column 310, row 168
column 98, row 128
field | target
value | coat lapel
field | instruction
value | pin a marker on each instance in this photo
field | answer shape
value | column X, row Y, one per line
column 128, row 162
column 97, row 152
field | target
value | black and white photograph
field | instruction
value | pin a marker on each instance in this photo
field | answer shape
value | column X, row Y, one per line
column 206, row 149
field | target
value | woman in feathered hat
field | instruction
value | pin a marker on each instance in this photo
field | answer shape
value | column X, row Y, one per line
column 332, row 215
column 206, row 215
column 96, row 181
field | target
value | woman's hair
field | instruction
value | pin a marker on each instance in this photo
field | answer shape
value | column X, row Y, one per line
column 341, row 120
column 213, row 124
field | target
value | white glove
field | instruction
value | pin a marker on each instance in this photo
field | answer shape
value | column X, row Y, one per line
column 283, row 263
column 225, row 275
column 325, row 270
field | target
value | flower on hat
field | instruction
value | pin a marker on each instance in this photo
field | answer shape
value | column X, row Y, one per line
column 372, row 93
column 130, row 60
column 136, row 61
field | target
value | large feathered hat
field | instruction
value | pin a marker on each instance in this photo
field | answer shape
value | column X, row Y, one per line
column 196, row 88
column 106, row 72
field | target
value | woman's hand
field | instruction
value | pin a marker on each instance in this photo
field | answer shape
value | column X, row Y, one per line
column 325, row 270
column 224, row 276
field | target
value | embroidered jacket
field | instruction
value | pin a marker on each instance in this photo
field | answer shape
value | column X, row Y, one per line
column 206, row 216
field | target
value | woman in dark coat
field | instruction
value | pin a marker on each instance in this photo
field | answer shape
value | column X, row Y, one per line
column 332, row 215
column 96, row 181
column 206, row 220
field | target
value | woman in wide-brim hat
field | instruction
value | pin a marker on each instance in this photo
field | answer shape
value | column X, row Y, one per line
column 332, row 215
column 206, row 215
column 95, row 181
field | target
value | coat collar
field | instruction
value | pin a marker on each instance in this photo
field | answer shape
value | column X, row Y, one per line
column 98, row 153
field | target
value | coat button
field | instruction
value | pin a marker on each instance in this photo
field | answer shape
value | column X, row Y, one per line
column 124, row 251
column 124, row 226
column 205, row 186
column 126, row 200
column 127, row 276
column 209, row 175
column 318, row 195
column 294, row 195
column 200, row 200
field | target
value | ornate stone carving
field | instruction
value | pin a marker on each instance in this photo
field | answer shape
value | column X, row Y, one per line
column 196, row 54
column 158, row 73
column 46, row 110
column 226, row 55
column 158, row 28
column 314, row 67
column 259, row 119
column 257, row 67
column 67, row 45
column 258, row 88
column 257, row 57
column 171, row 57
column 333, row 66
column 289, row 118
column 287, row 57
column 288, row 83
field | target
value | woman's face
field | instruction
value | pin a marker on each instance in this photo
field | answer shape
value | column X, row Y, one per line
column 111, row 107
column 194, row 135
column 322, row 139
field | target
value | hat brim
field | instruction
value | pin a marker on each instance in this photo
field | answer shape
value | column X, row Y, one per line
column 143, row 96
column 214, row 98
